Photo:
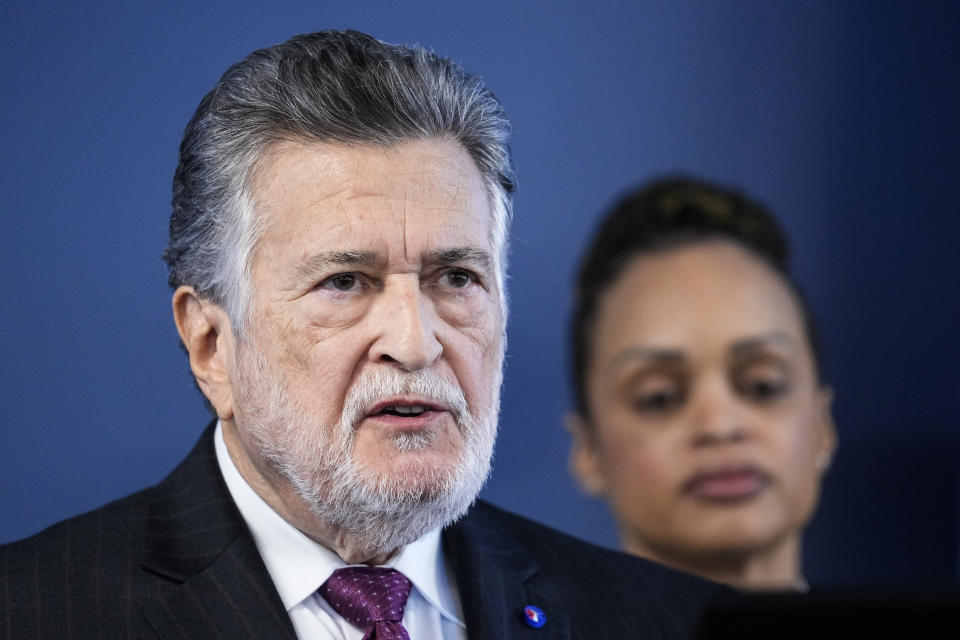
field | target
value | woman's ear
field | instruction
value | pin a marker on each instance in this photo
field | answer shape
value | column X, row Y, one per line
column 207, row 335
column 584, row 462
column 826, row 429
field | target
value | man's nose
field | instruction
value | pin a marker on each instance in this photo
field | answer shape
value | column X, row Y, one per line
column 720, row 417
column 406, row 328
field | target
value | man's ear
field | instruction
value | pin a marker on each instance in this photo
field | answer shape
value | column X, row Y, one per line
column 826, row 429
column 584, row 463
column 207, row 335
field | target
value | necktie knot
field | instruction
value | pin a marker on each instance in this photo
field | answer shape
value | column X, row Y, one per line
column 371, row 599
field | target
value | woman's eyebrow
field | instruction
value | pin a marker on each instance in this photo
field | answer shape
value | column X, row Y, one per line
column 642, row 352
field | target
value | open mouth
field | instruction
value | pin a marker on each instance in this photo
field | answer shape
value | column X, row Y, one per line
column 404, row 410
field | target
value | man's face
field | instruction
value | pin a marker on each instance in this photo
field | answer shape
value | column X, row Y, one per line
column 372, row 359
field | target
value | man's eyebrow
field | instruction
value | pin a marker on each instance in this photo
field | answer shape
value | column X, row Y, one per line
column 460, row 255
column 762, row 340
column 655, row 354
column 324, row 261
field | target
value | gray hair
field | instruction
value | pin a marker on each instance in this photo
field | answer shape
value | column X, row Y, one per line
column 331, row 86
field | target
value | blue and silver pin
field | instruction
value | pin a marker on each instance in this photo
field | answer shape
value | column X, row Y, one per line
column 534, row 616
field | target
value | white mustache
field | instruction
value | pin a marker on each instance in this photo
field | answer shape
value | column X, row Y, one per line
column 383, row 383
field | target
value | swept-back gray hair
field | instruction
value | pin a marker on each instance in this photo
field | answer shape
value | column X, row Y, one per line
column 331, row 86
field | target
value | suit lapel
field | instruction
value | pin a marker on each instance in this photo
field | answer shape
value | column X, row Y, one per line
column 216, row 585
column 196, row 539
column 495, row 578
column 227, row 600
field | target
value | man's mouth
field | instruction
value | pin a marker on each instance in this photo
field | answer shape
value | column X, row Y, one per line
column 403, row 410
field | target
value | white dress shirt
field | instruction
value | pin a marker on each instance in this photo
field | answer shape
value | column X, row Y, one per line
column 298, row 566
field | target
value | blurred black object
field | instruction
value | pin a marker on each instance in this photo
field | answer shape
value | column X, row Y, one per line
column 841, row 614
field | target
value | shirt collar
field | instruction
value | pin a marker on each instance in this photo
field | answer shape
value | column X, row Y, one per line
column 298, row 565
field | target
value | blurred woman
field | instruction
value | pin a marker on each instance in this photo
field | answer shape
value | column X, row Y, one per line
column 701, row 415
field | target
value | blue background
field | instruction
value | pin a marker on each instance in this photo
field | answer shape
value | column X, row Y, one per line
column 842, row 116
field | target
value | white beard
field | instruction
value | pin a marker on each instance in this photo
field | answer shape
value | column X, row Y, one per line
column 377, row 509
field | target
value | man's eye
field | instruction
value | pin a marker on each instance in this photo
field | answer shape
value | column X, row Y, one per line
column 343, row 281
column 458, row 278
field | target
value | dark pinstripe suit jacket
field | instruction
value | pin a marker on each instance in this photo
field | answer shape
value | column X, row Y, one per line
column 177, row 561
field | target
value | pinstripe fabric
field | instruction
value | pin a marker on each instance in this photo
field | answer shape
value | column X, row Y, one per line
column 172, row 561
column 504, row 562
column 176, row 561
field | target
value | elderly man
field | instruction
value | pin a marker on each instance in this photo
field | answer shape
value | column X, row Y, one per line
column 337, row 248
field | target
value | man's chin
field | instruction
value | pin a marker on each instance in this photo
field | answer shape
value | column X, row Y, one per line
column 383, row 512
column 373, row 446
column 416, row 477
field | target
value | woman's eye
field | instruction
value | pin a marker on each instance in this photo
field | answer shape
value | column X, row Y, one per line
column 657, row 401
column 764, row 388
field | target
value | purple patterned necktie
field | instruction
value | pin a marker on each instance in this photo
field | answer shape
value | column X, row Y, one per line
column 371, row 599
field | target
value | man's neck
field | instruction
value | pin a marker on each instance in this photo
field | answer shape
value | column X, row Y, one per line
column 277, row 492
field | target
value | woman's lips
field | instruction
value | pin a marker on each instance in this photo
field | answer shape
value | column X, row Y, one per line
column 727, row 485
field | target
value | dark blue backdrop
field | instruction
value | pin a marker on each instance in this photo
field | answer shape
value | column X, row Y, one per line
column 840, row 115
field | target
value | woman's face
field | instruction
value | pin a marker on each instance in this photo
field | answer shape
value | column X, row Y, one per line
column 708, row 431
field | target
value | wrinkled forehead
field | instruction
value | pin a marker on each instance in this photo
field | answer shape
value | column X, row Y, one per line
column 396, row 205
column 338, row 188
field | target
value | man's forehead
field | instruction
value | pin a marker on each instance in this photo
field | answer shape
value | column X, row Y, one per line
column 418, row 199
column 361, row 170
